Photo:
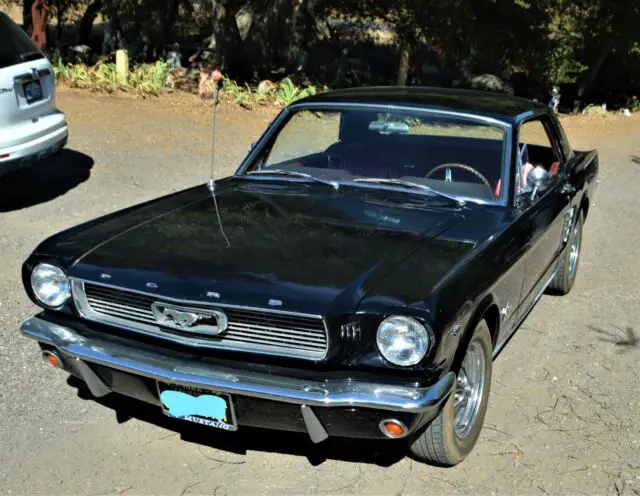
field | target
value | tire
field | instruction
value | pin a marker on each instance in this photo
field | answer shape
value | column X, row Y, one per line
column 442, row 443
column 567, row 269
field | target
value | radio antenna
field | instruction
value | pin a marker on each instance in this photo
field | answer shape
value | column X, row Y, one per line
column 216, row 77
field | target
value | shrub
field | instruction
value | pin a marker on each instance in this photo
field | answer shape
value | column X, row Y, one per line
column 144, row 79
column 282, row 94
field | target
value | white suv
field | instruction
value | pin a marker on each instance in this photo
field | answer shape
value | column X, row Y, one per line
column 31, row 127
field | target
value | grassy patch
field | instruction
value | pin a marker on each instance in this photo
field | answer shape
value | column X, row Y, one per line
column 150, row 79
column 267, row 93
column 146, row 79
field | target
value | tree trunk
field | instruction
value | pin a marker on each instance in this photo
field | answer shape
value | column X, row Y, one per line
column 590, row 76
column 301, row 31
column 86, row 22
column 163, row 34
column 403, row 67
column 60, row 11
column 269, row 30
column 225, row 38
column 39, row 23
column 27, row 23
column 114, row 25
column 170, row 20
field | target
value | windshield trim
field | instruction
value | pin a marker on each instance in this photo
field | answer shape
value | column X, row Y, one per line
column 276, row 125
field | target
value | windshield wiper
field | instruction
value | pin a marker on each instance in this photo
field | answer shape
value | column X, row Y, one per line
column 27, row 56
column 333, row 184
column 407, row 184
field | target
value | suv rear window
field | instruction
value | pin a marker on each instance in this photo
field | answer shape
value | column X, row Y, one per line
column 16, row 46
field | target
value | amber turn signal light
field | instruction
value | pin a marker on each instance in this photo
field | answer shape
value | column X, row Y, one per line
column 53, row 359
column 393, row 428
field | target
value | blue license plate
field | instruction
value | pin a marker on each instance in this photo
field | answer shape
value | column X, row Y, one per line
column 197, row 405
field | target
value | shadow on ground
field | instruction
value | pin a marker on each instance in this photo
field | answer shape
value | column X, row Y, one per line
column 382, row 453
column 44, row 180
column 625, row 339
column 635, row 159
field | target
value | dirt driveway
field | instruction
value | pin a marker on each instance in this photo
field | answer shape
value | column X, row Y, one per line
column 564, row 414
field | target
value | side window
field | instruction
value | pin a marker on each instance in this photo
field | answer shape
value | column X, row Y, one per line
column 536, row 149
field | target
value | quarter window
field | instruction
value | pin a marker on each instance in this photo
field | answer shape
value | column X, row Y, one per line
column 536, row 148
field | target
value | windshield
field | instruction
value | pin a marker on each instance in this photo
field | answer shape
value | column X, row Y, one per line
column 456, row 155
column 16, row 47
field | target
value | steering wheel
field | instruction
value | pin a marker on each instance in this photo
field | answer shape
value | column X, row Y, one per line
column 467, row 168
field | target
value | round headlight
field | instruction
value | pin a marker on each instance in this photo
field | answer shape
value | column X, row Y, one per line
column 50, row 285
column 403, row 340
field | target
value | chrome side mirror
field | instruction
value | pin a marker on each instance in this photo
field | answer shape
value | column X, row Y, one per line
column 536, row 178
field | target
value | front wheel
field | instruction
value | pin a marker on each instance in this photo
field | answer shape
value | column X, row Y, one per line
column 567, row 268
column 452, row 435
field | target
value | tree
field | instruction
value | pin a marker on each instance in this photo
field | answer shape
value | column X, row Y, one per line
column 60, row 9
column 406, row 16
column 87, row 20
column 610, row 27
column 27, row 22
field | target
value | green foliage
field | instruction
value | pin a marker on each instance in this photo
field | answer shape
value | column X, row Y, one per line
column 288, row 92
column 597, row 110
column 633, row 104
column 149, row 78
column 285, row 93
column 549, row 41
column 146, row 79
column 564, row 25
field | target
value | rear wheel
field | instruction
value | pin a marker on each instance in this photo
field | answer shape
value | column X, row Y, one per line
column 451, row 436
column 567, row 268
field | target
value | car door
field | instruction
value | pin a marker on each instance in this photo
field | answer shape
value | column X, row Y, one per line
column 546, row 215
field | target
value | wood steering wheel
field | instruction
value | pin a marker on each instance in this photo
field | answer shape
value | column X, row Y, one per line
column 467, row 168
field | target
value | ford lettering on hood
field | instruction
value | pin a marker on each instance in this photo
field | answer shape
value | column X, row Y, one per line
column 250, row 245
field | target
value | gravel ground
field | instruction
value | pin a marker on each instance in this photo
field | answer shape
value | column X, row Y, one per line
column 564, row 411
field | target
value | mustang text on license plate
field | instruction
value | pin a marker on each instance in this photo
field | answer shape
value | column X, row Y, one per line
column 198, row 405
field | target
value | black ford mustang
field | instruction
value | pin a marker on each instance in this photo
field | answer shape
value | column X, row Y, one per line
column 355, row 277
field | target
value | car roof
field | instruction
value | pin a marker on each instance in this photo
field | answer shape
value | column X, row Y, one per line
column 488, row 104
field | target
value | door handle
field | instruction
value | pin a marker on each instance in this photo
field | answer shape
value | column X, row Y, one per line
column 567, row 189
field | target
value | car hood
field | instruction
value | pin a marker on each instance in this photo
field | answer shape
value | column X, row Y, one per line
column 300, row 248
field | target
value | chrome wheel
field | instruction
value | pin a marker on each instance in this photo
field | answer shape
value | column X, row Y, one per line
column 574, row 252
column 469, row 389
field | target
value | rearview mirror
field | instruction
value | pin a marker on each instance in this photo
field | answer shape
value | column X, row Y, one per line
column 389, row 127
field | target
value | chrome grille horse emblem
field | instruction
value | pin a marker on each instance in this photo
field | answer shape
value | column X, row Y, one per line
column 196, row 320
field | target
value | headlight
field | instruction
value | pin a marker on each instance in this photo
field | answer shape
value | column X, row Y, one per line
column 50, row 285
column 403, row 340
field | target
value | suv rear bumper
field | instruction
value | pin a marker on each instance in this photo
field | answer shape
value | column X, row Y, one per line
column 341, row 407
column 25, row 154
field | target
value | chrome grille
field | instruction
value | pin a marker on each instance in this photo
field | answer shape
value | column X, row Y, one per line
column 262, row 331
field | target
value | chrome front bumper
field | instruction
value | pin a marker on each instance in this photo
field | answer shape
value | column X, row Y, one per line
column 78, row 349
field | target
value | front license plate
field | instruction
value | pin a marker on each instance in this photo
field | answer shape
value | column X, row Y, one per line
column 33, row 91
column 198, row 405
